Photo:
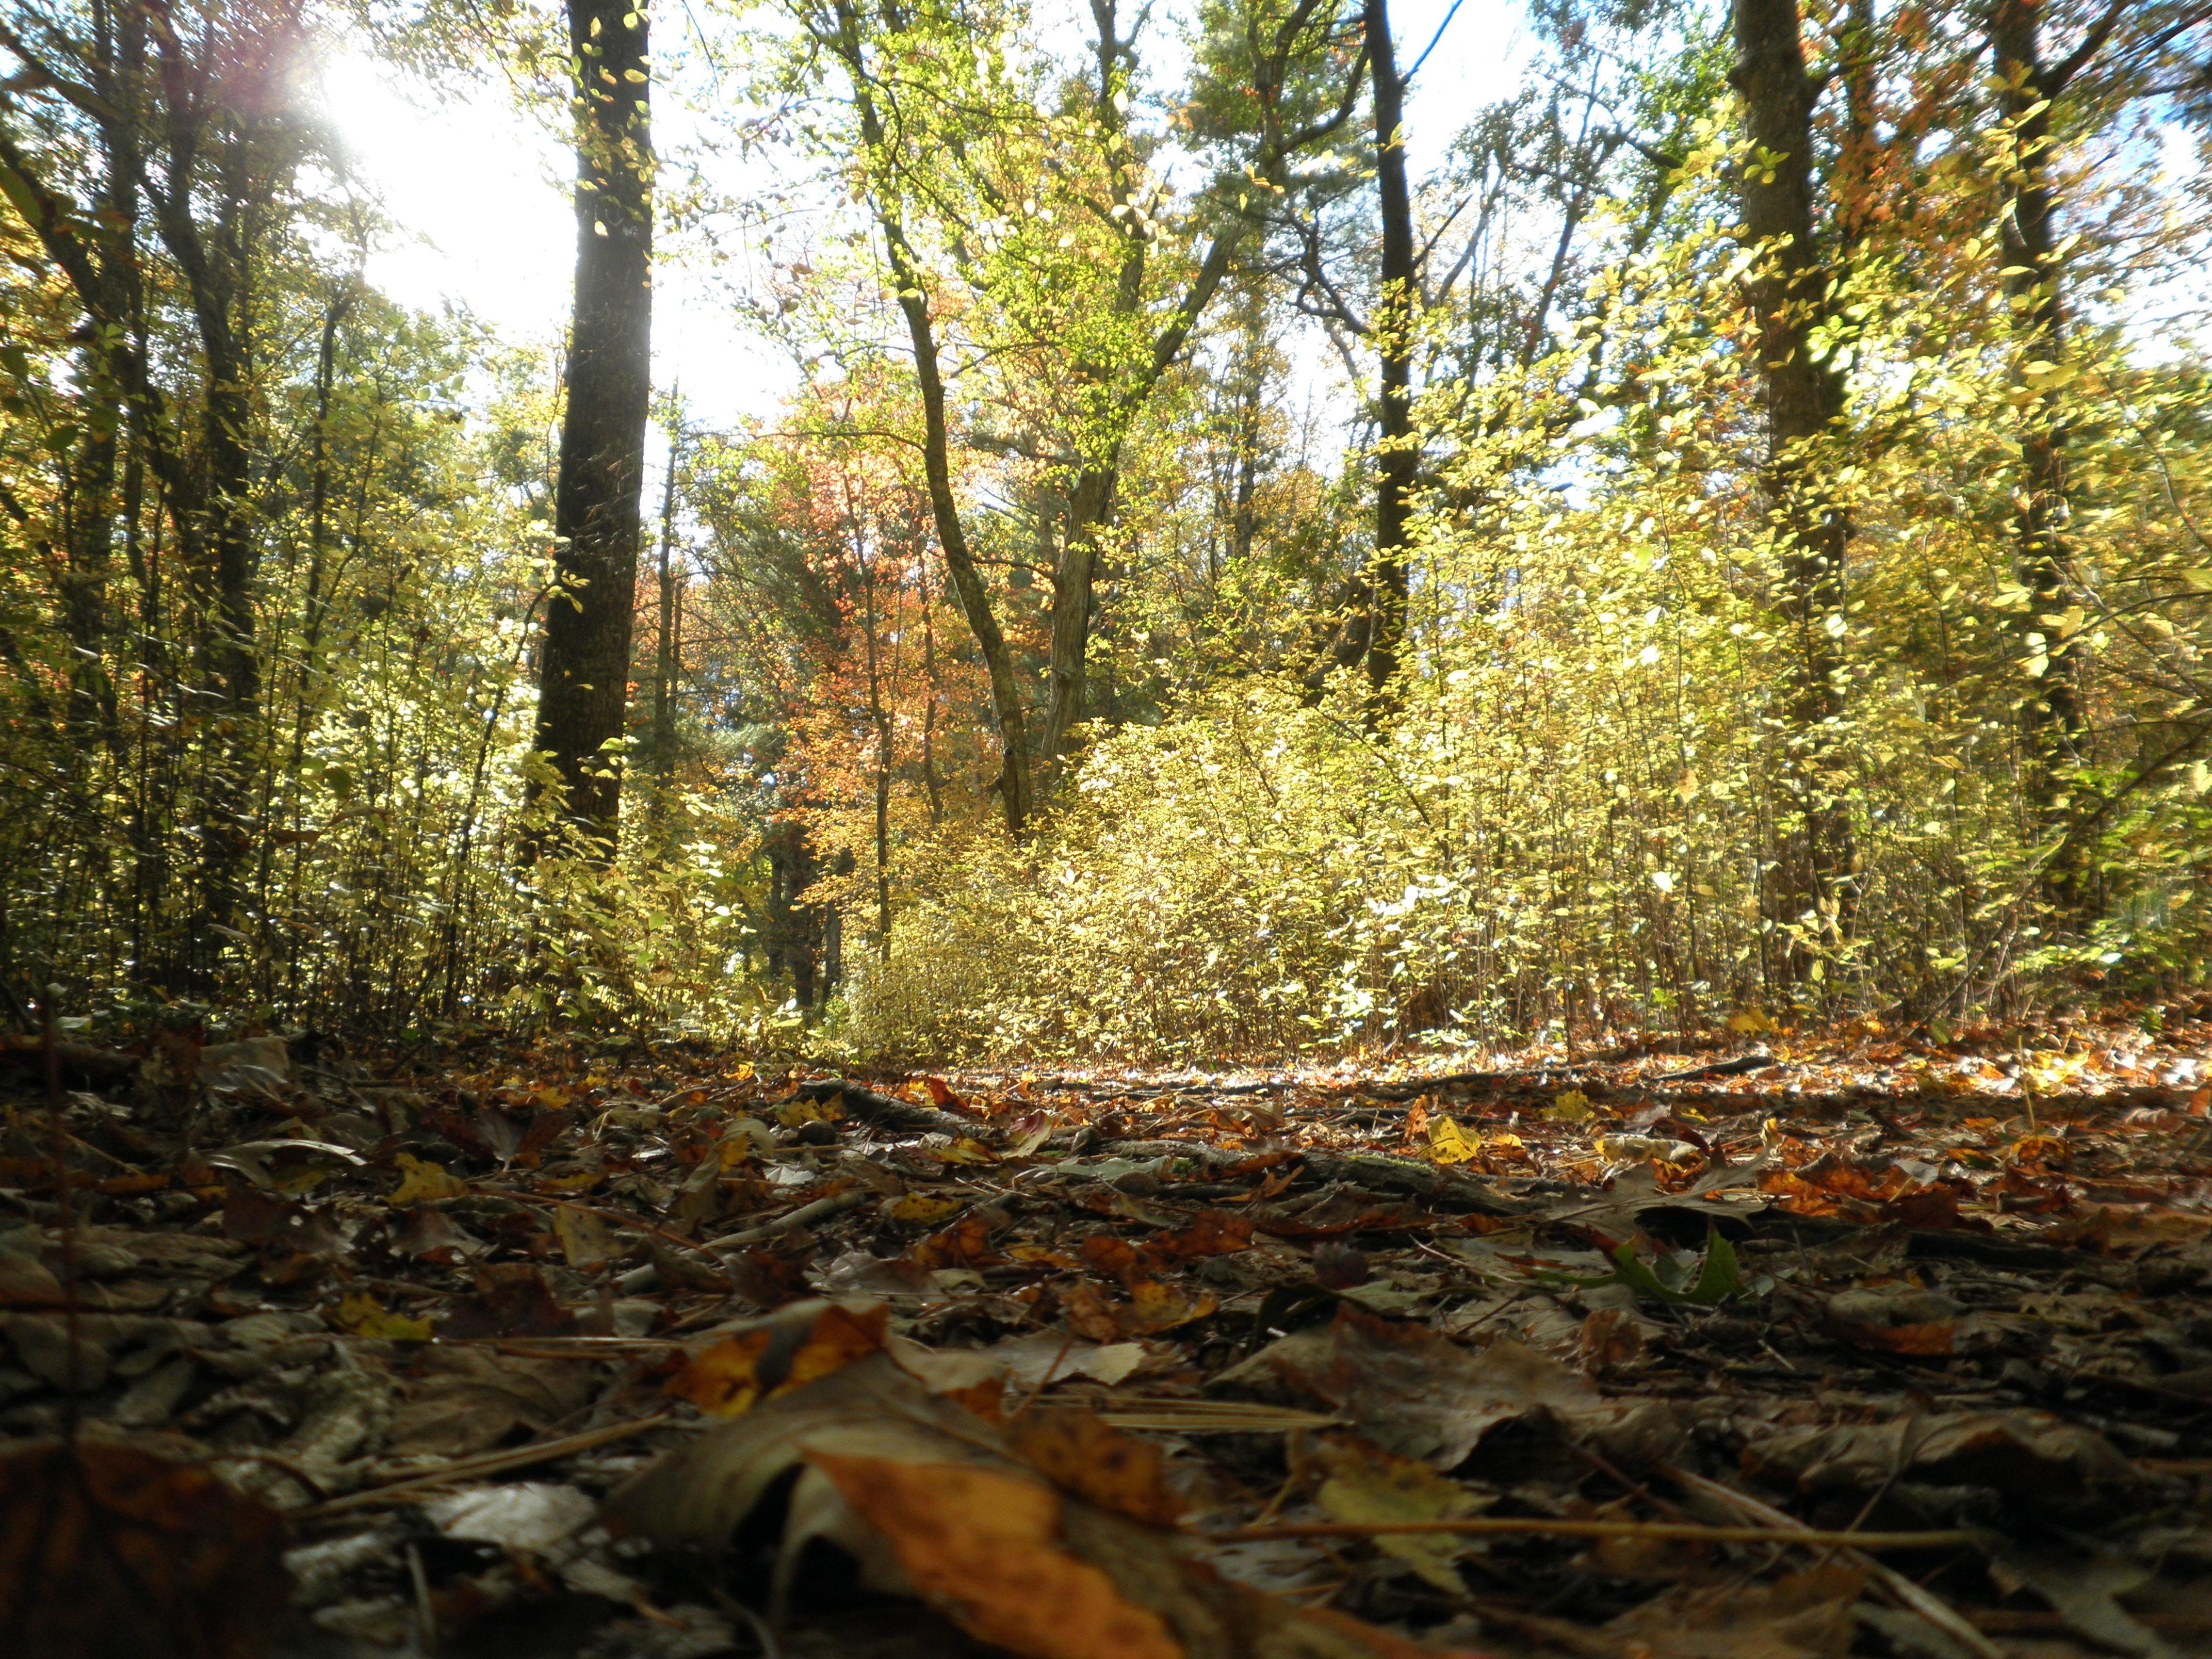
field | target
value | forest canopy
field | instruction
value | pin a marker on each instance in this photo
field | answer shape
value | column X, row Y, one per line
column 1724, row 534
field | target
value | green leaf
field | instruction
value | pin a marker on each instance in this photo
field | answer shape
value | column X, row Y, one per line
column 1719, row 1275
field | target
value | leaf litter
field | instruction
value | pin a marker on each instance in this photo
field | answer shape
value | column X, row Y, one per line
column 1845, row 1343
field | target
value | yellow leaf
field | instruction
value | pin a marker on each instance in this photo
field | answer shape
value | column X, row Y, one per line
column 423, row 1182
column 550, row 1100
column 922, row 1208
column 1450, row 1144
column 966, row 1150
column 583, row 1237
column 1749, row 1021
column 364, row 1315
column 581, row 1181
column 1572, row 1107
column 1157, row 1307
column 1363, row 1485
column 793, row 1113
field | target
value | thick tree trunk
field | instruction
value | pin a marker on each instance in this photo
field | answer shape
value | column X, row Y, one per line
column 1811, row 890
column 2054, row 727
column 1074, row 578
column 584, row 666
column 1396, row 459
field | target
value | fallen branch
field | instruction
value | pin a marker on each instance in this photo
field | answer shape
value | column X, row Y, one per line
column 806, row 1214
column 882, row 1112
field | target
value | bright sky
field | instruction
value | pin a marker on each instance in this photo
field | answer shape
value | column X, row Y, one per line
column 484, row 194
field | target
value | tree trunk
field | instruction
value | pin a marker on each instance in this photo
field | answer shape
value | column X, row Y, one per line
column 584, row 665
column 1396, row 458
column 879, row 714
column 930, row 781
column 2054, row 725
column 1074, row 578
column 1810, row 890
column 664, row 668
column 1013, row 779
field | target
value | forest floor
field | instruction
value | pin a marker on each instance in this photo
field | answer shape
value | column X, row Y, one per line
column 581, row 1348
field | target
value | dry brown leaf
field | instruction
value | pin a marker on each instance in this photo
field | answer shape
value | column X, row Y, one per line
column 1408, row 1389
column 1807, row 1615
column 969, row 1526
column 107, row 1552
column 1078, row 1453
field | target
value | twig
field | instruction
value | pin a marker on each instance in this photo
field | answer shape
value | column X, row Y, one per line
column 614, row 1217
column 426, row 1615
column 1045, row 1381
column 1930, row 1607
column 498, row 1462
column 821, row 1210
column 1539, row 1525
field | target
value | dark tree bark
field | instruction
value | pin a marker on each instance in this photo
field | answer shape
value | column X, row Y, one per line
column 1396, row 458
column 183, row 138
column 2054, row 727
column 1810, row 890
column 793, row 937
column 584, row 666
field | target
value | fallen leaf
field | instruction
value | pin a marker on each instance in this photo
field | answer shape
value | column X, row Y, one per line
column 1407, row 1389
column 512, row 1298
column 772, row 1356
column 107, row 1551
column 885, row 1464
column 423, row 1182
column 921, row 1208
column 1450, row 1144
column 1807, row 1615
column 984, row 1548
column 941, row 1095
column 1572, row 1106
column 364, row 1315
column 583, row 1237
column 1362, row 1484
column 1078, row 1453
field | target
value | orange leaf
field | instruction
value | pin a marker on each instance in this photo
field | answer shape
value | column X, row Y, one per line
column 966, row 1243
column 941, row 1096
column 982, row 1548
column 1080, row 1452
column 722, row 1381
column 789, row 1349
column 1157, row 1307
